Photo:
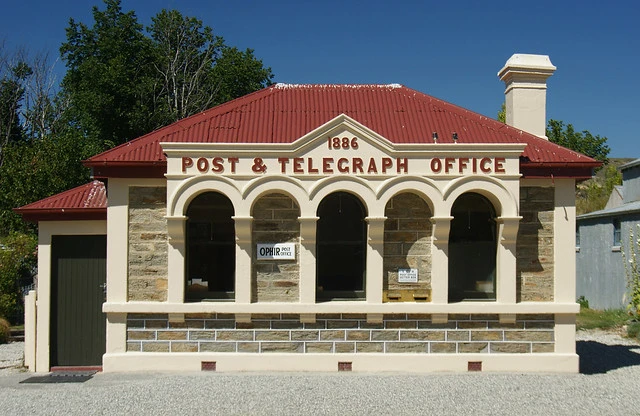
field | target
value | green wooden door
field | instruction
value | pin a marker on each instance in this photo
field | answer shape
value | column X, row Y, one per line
column 78, row 276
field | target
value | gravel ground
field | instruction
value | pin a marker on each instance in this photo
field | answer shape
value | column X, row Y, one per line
column 608, row 384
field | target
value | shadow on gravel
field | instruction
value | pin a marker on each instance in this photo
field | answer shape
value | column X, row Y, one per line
column 597, row 358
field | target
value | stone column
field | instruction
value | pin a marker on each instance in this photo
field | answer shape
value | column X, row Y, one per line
column 506, row 259
column 564, row 241
column 176, row 258
column 440, row 259
column 375, row 259
column 308, row 259
column 243, row 258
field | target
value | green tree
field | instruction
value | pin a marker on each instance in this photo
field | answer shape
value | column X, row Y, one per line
column 17, row 263
column 239, row 73
column 184, row 54
column 124, row 82
column 108, row 75
column 195, row 70
column 13, row 74
column 593, row 194
column 583, row 142
column 565, row 135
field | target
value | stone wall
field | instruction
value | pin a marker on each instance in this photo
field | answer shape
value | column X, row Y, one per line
column 147, row 253
column 534, row 247
column 341, row 333
column 407, row 242
column 275, row 220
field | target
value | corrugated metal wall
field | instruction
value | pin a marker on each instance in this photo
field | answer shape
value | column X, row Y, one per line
column 600, row 275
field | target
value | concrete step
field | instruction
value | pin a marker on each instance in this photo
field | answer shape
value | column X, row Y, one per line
column 16, row 335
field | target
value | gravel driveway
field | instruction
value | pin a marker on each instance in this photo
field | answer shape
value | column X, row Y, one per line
column 609, row 384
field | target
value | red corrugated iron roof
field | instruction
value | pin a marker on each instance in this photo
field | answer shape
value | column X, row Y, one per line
column 85, row 202
column 283, row 113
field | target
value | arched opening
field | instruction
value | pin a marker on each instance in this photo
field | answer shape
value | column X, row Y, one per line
column 341, row 247
column 211, row 248
column 472, row 249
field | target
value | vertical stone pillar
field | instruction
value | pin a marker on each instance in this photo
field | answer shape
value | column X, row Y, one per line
column 440, row 259
column 243, row 258
column 506, row 259
column 176, row 258
column 308, row 259
column 375, row 259
column 564, row 244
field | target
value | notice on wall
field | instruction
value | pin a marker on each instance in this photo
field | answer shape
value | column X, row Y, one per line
column 407, row 275
column 276, row 251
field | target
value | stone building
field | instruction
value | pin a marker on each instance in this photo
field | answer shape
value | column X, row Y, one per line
column 319, row 228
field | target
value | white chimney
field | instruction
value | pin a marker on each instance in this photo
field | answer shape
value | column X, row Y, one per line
column 525, row 77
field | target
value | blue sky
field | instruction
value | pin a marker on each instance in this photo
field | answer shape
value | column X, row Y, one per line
column 451, row 50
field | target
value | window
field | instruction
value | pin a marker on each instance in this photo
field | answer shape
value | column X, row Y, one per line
column 577, row 236
column 341, row 247
column 616, row 233
column 472, row 249
column 211, row 249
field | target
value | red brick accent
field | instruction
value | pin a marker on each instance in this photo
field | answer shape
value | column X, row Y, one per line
column 344, row 365
column 474, row 366
column 208, row 366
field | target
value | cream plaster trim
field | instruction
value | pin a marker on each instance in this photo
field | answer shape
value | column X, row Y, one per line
column 407, row 363
column 495, row 190
column 30, row 333
column 359, row 307
column 565, row 333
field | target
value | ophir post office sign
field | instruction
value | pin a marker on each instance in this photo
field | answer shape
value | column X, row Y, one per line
column 276, row 251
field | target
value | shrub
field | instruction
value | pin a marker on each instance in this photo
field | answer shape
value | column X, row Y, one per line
column 632, row 271
column 583, row 302
column 633, row 330
column 5, row 331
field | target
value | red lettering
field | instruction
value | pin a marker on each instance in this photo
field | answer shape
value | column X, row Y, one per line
column 216, row 165
column 475, row 165
column 485, row 165
column 297, row 165
column 499, row 165
column 283, row 164
column 436, row 165
column 343, row 165
column 448, row 164
column 326, row 165
column 372, row 166
column 202, row 164
column 386, row 163
column 233, row 161
column 310, row 168
column 356, row 165
column 462, row 164
column 187, row 162
column 403, row 165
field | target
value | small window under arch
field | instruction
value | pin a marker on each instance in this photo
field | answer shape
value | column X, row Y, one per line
column 472, row 249
column 211, row 248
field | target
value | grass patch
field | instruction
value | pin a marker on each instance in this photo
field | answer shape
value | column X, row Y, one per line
column 610, row 318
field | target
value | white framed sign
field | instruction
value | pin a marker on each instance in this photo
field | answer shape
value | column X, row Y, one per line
column 276, row 251
column 407, row 275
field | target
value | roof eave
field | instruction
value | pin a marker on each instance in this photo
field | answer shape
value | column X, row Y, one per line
column 36, row 215
column 559, row 170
